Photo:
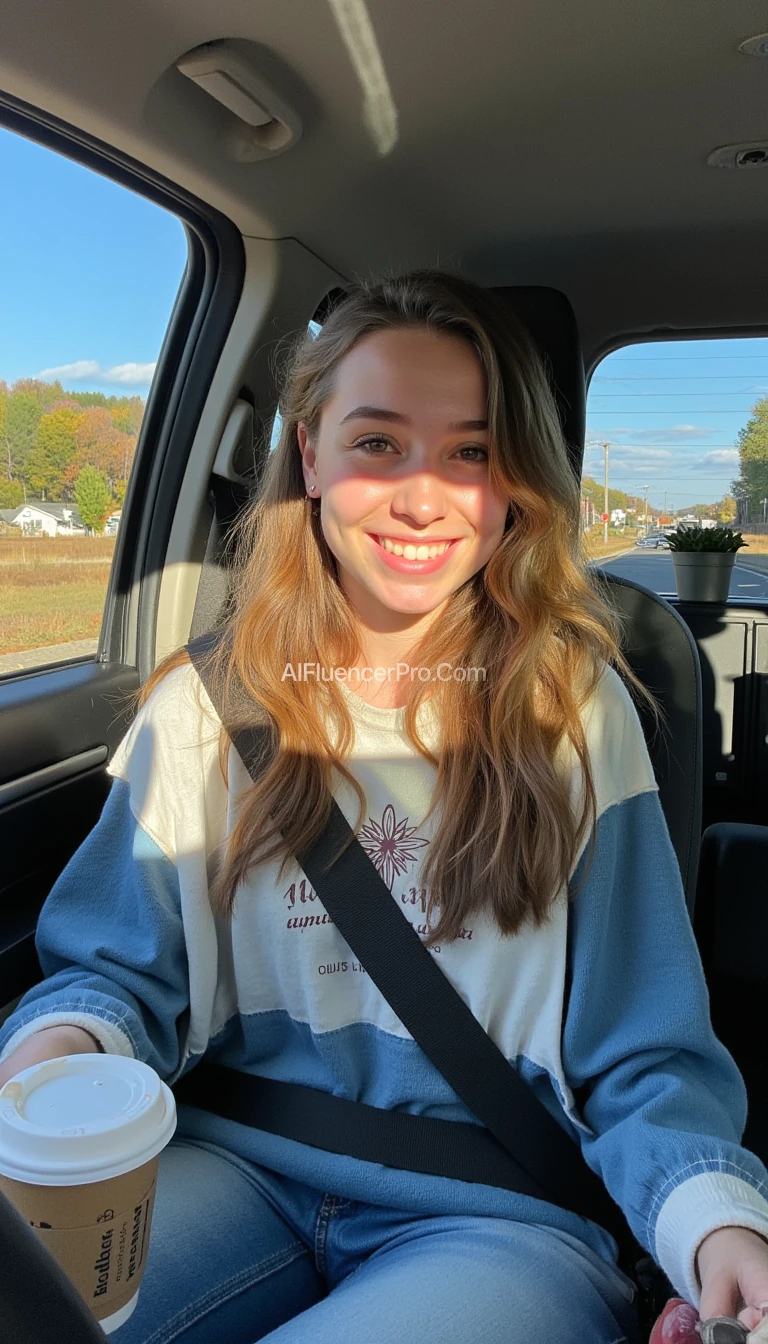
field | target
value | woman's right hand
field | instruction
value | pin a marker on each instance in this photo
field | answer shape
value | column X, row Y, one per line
column 50, row 1043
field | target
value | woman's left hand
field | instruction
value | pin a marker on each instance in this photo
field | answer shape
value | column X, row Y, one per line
column 732, row 1264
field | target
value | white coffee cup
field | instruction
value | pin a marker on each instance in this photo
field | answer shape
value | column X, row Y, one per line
column 80, row 1141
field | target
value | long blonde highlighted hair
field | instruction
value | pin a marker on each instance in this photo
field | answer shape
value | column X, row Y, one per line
column 533, row 617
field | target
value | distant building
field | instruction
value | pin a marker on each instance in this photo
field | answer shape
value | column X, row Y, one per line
column 50, row 520
column 112, row 524
column 690, row 521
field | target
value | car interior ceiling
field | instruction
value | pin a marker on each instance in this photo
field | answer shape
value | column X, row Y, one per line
column 547, row 151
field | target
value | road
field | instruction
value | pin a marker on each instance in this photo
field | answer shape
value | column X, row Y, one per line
column 654, row 570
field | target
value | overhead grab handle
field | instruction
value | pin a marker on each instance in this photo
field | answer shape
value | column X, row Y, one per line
column 263, row 125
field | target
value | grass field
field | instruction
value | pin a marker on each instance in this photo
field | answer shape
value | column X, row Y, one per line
column 52, row 588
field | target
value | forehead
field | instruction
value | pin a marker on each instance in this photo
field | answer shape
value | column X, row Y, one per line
column 414, row 371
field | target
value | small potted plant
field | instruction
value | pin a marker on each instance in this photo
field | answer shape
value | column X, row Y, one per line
column 703, row 558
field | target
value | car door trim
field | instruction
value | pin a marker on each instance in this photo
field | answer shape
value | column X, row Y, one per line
column 51, row 774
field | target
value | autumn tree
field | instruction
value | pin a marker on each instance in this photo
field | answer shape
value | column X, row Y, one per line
column 594, row 491
column 93, row 498
column 100, row 444
column 55, row 445
column 47, row 395
column 725, row 509
column 752, row 486
column 11, row 494
column 128, row 414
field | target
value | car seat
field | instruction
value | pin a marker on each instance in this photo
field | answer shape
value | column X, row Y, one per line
column 660, row 650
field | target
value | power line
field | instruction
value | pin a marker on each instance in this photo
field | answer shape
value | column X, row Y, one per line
column 678, row 359
column 678, row 448
column 673, row 378
column 624, row 396
column 734, row 410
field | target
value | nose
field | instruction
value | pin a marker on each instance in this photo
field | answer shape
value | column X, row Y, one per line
column 419, row 498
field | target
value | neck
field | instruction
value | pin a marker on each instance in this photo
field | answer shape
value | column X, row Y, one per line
column 386, row 648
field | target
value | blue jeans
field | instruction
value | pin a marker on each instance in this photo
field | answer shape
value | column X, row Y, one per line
column 239, row 1254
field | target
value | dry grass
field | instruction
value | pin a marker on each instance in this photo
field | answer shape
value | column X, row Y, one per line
column 758, row 545
column 596, row 548
column 51, row 590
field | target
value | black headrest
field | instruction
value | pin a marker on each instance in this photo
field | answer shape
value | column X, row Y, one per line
column 551, row 321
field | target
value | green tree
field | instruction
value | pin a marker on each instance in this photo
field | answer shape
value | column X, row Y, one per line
column 11, row 494
column 93, row 498
column 751, row 488
column 56, row 443
column 22, row 418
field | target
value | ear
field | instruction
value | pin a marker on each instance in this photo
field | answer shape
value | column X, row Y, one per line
column 308, row 459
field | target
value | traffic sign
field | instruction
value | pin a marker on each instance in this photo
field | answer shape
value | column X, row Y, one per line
column 605, row 517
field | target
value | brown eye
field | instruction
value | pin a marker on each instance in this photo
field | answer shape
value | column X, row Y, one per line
column 473, row 448
column 375, row 444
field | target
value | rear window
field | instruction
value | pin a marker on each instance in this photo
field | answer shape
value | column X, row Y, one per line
column 678, row 433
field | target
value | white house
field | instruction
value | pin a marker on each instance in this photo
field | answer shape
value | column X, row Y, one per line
column 51, row 520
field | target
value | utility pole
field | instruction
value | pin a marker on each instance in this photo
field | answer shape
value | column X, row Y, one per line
column 645, row 514
column 764, row 502
column 606, row 446
column 665, row 503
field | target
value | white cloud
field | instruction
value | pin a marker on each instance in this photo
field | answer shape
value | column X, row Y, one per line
column 722, row 457
column 82, row 368
column 134, row 374
column 129, row 375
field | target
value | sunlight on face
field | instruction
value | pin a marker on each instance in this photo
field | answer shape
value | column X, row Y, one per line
column 401, row 461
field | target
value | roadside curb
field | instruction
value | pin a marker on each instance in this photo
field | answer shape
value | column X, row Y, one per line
column 626, row 550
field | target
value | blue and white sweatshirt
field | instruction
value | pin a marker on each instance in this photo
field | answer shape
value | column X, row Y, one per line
column 607, row 1002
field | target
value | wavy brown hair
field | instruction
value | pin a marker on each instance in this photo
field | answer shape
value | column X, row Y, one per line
column 534, row 617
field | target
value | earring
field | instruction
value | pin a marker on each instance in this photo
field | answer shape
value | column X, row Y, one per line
column 312, row 489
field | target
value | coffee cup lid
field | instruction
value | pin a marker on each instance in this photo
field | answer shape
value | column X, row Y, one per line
column 83, row 1118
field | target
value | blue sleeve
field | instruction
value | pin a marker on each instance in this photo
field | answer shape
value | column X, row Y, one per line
column 111, row 943
column 663, row 1103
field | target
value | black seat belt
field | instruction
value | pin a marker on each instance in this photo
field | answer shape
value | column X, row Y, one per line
column 518, row 1146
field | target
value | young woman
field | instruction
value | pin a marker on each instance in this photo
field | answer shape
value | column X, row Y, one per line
column 414, row 613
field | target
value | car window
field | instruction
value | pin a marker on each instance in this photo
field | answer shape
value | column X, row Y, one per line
column 90, row 274
column 678, row 433
column 277, row 423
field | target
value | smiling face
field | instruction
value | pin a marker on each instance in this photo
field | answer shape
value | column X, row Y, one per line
column 400, row 466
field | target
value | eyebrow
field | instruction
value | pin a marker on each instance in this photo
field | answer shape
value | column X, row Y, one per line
column 394, row 417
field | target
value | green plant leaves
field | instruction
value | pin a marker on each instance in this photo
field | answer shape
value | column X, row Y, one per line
column 706, row 539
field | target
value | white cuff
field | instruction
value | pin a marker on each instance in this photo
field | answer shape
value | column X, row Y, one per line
column 696, row 1207
column 113, row 1040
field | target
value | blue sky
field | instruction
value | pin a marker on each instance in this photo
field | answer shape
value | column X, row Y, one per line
column 91, row 272
column 671, row 412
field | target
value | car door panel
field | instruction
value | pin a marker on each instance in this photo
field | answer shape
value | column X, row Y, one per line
column 57, row 731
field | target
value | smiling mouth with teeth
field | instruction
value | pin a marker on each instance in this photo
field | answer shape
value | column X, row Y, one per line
column 410, row 551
